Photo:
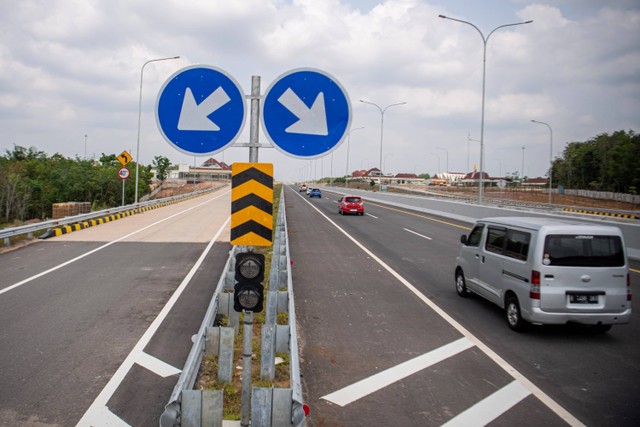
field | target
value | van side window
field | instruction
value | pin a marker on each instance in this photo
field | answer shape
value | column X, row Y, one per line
column 475, row 235
column 495, row 239
column 517, row 244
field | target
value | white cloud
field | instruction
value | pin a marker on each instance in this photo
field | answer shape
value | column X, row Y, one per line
column 70, row 68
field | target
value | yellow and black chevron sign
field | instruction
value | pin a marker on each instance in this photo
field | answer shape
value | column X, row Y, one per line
column 251, row 204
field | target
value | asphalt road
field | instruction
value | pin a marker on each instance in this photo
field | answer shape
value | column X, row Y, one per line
column 96, row 325
column 358, row 318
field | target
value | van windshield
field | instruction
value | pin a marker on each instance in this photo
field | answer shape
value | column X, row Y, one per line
column 583, row 251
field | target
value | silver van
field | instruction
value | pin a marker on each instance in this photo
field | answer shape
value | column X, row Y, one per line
column 547, row 271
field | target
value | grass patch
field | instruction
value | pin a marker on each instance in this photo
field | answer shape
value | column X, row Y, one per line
column 282, row 319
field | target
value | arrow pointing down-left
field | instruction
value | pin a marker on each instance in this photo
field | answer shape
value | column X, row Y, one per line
column 193, row 116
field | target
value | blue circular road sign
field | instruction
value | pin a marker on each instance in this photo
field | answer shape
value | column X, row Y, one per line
column 306, row 113
column 200, row 110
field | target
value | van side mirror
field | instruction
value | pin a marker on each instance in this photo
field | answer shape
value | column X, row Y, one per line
column 463, row 239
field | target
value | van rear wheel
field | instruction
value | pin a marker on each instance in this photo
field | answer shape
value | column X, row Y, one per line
column 514, row 317
column 461, row 286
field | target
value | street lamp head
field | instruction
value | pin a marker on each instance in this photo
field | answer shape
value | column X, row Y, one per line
column 442, row 16
column 528, row 22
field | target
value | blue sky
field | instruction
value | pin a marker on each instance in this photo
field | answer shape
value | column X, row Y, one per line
column 70, row 68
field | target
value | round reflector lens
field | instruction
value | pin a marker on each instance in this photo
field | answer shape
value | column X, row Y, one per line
column 249, row 268
column 248, row 299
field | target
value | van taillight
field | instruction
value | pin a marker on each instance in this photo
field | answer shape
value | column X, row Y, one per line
column 628, row 288
column 534, row 291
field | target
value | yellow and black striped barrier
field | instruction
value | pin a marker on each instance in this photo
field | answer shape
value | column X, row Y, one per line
column 609, row 214
column 251, row 204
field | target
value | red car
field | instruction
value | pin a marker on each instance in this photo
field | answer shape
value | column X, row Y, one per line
column 351, row 205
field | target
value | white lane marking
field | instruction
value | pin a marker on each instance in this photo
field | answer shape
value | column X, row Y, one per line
column 372, row 216
column 108, row 418
column 156, row 365
column 93, row 416
column 387, row 377
column 490, row 408
column 544, row 398
column 71, row 261
column 418, row 234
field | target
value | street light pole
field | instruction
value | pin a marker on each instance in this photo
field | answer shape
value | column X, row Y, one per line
column 446, row 151
column 468, row 140
column 382, row 111
column 522, row 177
column 484, row 69
column 550, row 154
column 346, row 175
column 139, row 116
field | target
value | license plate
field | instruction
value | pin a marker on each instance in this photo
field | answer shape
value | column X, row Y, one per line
column 583, row 299
column 353, row 210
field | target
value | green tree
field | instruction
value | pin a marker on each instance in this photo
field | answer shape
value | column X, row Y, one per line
column 162, row 165
column 31, row 182
column 604, row 163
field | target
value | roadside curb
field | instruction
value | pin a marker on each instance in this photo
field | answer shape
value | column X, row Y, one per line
column 592, row 212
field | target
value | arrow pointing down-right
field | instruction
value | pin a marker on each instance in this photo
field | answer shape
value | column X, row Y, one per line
column 311, row 121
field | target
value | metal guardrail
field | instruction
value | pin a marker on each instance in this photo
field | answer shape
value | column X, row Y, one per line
column 269, row 406
column 7, row 233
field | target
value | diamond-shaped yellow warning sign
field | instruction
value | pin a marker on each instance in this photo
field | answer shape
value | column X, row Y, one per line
column 125, row 158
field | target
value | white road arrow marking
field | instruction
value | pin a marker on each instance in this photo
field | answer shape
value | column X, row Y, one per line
column 311, row 121
column 193, row 116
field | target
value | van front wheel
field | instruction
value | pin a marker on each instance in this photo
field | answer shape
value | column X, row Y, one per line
column 461, row 286
column 514, row 318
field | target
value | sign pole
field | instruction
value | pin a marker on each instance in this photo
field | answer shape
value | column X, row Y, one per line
column 247, row 334
column 254, row 119
column 123, row 174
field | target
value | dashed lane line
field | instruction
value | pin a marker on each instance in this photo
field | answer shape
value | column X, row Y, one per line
column 418, row 234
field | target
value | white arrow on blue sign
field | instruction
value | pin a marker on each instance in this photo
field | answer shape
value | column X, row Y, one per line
column 306, row 113
column 200, row 110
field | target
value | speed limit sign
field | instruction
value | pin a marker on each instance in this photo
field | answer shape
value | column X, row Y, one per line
column 123, row 173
